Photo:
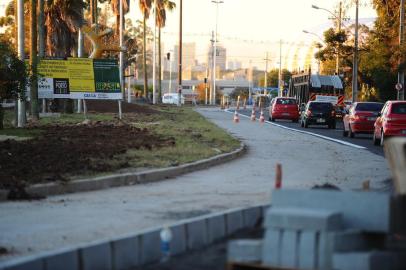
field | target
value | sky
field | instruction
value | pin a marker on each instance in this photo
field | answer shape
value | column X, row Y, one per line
column 248, row 28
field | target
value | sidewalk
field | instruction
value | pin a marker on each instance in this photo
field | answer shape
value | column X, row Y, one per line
column 62, row 221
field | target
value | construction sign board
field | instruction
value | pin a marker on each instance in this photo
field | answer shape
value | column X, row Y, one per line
column 79, row 78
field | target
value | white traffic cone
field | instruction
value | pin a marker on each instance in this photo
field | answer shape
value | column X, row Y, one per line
column 253, row 116
column 236, row 117
column 262, row 117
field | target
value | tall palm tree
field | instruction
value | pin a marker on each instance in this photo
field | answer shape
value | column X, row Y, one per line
column 115, row 5
column 33, row 60
column 145, row 7
column 162, row 6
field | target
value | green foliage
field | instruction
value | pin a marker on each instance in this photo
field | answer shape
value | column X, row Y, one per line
column 273, row 75
column 13, row 73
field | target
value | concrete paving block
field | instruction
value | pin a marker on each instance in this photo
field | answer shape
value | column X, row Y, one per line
column 150, row 245
column 36, row 264
column 216, row 226
column 178, row 244
column 350, row 241
column 125, row 253
column 252, row 216
column 303, row 219
column 234, row 221
column 196, row 232
column 374, row 260
column 96, row 257
column 289, row 249
column 354, row 206
column 64, row 261
column 245, row 250
column 308, row 244
column 271, row 254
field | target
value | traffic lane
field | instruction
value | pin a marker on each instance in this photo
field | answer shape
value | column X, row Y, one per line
column 364, row 140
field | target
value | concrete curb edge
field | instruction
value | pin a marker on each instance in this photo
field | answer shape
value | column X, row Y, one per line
column 126, row 179
column 144, row 247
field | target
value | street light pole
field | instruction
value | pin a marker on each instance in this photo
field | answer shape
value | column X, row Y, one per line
column 401, row 73
column 339, row 19
column 355, row 58
column 180, row 56
column 154, row 101
column 121, row 57
column 215, row 51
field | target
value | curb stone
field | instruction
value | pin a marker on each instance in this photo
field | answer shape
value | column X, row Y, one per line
column 127, row 179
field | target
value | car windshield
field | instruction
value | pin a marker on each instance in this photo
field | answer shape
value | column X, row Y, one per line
column 286, row 101
column 369, row 107
column 399, row 108
column 320, row 106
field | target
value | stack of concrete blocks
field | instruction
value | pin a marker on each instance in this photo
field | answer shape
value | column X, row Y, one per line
column 323, row 229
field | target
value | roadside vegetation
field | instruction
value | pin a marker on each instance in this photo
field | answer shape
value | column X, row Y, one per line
column 68, row 147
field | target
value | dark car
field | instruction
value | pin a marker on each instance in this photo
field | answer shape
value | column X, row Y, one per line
column 319, row 113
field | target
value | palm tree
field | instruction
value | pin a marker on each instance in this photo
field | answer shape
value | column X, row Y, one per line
column 145, row 7
column 161, row 6
column 115, row 5
column 33, row 60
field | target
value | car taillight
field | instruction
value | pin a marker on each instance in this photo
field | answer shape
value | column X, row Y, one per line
column 309, row 113
column 333, row 113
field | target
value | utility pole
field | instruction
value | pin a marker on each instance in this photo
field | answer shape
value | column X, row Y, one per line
column 401, row 73
column 154, row 101
column 339, row 19
column 280, row 84
column 21, row 115
column 180, row 56
column 121, row 57
column 213, row 72
column 205, row 86
column 215, row 49
column 355, row 58
column 266, row 74
column 168, row 56
column 80, row 55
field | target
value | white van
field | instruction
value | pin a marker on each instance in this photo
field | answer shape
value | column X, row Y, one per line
column 172, row 98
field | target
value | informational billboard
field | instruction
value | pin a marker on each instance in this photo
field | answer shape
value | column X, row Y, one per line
column 79, row 78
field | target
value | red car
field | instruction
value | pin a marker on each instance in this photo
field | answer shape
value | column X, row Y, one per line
column 361, row 118
column 284, row 108
column 391, row 122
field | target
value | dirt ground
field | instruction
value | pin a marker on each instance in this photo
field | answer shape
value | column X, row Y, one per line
column 109, row 106
column 66, row 150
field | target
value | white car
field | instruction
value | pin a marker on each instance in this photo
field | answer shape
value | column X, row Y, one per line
column 172, row 98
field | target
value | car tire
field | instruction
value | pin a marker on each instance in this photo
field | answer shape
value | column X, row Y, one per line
column 350, row 133
column 375, row 139
column 333, row 125
column 382, row 141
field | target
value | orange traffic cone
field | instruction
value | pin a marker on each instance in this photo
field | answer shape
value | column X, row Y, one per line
column 262, row 117
column 253, row 116
column 236, row 117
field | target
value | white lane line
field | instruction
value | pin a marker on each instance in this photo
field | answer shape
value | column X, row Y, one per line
column 308, row 133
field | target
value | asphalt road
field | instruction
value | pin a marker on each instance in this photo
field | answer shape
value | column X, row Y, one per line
column 364, row 140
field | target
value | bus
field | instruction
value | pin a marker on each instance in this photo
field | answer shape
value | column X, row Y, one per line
column 306, row 87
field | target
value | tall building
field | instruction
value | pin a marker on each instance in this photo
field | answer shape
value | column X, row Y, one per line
column 221, row 57
column 234, row 65
column 188, row 56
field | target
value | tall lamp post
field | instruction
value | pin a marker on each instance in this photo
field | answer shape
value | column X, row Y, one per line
column 217, row 2
column 180, row 56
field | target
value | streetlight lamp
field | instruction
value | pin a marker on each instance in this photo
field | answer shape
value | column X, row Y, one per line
column 217, row 2
column 339, row 22
column 314, row 34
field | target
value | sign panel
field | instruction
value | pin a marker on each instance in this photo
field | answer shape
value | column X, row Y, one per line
column 332, row 99
column 79, row 78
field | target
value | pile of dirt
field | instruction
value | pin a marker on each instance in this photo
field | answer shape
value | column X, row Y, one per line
column 110, row 106
column 71, row 150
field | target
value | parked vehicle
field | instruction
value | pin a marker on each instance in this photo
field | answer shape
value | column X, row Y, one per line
column 391, row 121
column 284, row 108
column 361, row 118
column 319, row 113
column 172, row 98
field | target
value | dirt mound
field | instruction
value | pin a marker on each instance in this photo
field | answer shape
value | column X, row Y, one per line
column 110, row 106
column 71, row 150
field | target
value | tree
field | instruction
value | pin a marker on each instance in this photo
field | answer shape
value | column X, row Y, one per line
column 273, row 77
column 13, row 75
column 145, row 7
column 162, row 6
column 33, row 60
column 115, row 4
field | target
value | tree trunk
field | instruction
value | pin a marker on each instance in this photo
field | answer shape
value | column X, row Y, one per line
column 144, row 64
column 41, row 30
column 33, row 62
column 159, row 67
column 1, row 116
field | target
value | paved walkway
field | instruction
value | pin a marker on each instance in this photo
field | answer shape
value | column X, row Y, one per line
column 62, row 221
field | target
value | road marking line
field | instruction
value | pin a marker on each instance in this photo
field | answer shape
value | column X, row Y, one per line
column 308, row 133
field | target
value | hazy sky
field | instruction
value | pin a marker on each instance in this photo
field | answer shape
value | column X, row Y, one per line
column 248, row 28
